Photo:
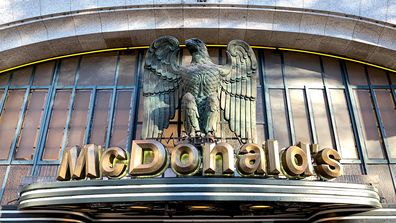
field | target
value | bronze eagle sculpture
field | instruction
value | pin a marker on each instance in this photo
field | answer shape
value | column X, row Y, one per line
column 201, row 89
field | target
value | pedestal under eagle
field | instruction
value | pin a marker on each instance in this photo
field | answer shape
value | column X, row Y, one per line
column 201, row 89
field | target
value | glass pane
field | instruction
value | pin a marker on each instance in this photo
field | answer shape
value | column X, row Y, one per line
column 138, row 133
column 57, row 125
column 186, row 57
column 279, row 117
column 31, row 125
column 302, row 70
column 369, row 124
column 260, row 130
column 15, row 176
column 259, row 106
column 68, row 71
column 343, row 125
column 332, row 71
column 356, row 74
column 169, row 134
column 48, row 170
column 127, row 66
column 273, row 70
column 21, row 76
column 387, row 110
column 100, row 119
column 300, row 116
column 43, row 73
column 3, row 170
column 141, row 107
column 321, row 119
column 214, row 55
column 392, row 77
column 4, row 79
column 98, row 69
column 121, row 119
column 78, row 119
column 383, row 181
column 377, row 76
column 9, row 120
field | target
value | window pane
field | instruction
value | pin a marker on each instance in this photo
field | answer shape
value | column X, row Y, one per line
column 377, row 76
column 392, row 77
column 356, row 74
column 302, row 70
column 368, row 121
column 68, row 71
column 388, row 116
column 259, row 106
column 321, row 119
column 273, row 70
column 214, row 54
column 121, row 119
column 300, row 116
column 100, row 119
column 127, row 66
column 343, row 125
column 169, row 134
column 4, row 79
column 15, row 176
column 332, row 71
column 31, row 125
column 9, row 120
column 3, row 170
column 43, row 73
column 260, row 130
column 186, row 57
column 98, row 69
column 21, row 76
column 78, row 119
column 57, row 125
column 48, row 171
column 141, row 107
column 279, row 117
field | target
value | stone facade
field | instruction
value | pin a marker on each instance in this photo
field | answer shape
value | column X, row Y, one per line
column 36, row 29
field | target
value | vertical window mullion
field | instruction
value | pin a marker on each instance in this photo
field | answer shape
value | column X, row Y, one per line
column 135, row 102
column 288, row 107
column 46, row 118
column 269, row 131
column 310, row 115
column 330, row 108
column 112, row 103
column 21, row 117
column 356, row 125
column 90, row 116
column 70, row 111
column 378, row 117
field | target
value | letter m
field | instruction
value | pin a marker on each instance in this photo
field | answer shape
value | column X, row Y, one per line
column 80, row 163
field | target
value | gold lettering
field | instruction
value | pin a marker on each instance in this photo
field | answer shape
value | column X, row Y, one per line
column 185, row 159
column 138, row 165
column 294, row 161
column 251, row 160
column 307, row 150
column 272, row 154
column 328, row 166
column 114, row 162
column 210, row 151
column 80, row 163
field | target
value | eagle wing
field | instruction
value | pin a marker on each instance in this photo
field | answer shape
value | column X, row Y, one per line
column 238, row 90
column 160, row 85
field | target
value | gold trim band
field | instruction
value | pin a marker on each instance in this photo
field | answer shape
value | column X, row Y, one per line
column 146, row 47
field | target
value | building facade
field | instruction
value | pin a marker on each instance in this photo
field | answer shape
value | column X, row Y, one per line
column 71, row 74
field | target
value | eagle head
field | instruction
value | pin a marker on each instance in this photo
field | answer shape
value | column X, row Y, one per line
column 198, row 50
